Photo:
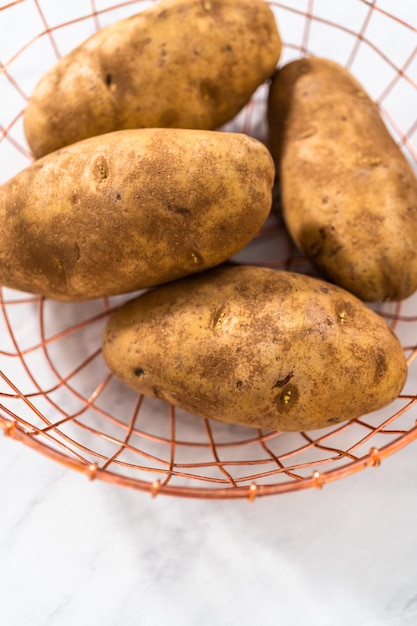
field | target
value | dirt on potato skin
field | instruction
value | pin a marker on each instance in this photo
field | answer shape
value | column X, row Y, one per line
column 258, row 347
column 349, row 195
column 130, row 210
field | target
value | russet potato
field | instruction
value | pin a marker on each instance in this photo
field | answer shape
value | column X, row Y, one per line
column 131, row 209
column 179, row 63
column 349, row 195
column 257, row 347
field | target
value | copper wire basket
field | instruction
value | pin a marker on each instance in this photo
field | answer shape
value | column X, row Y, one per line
column 57, row 396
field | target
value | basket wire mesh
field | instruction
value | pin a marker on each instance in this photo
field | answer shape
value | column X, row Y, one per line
column 57, row 396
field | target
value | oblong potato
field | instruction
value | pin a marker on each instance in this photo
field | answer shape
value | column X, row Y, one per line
column 131, row 209
column 258, row 347
column 349, row 195
column 180, row 63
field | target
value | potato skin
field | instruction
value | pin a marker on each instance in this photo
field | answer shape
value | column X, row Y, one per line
column 349, row 195
column 180, row 63
column 131, row 209
column 257, row 347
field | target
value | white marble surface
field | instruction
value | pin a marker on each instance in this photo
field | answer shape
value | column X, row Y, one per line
column 74, row 551
column 79, row 552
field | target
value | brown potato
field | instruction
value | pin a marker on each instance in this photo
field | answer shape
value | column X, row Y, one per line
column 349, row 195
column 178, row 64
column 257, row 347
column 131, row 209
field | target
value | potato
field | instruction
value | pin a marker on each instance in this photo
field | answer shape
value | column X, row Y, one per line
column 349, row 195
column 180, row 63
column 131, row 209
column 258, row 347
